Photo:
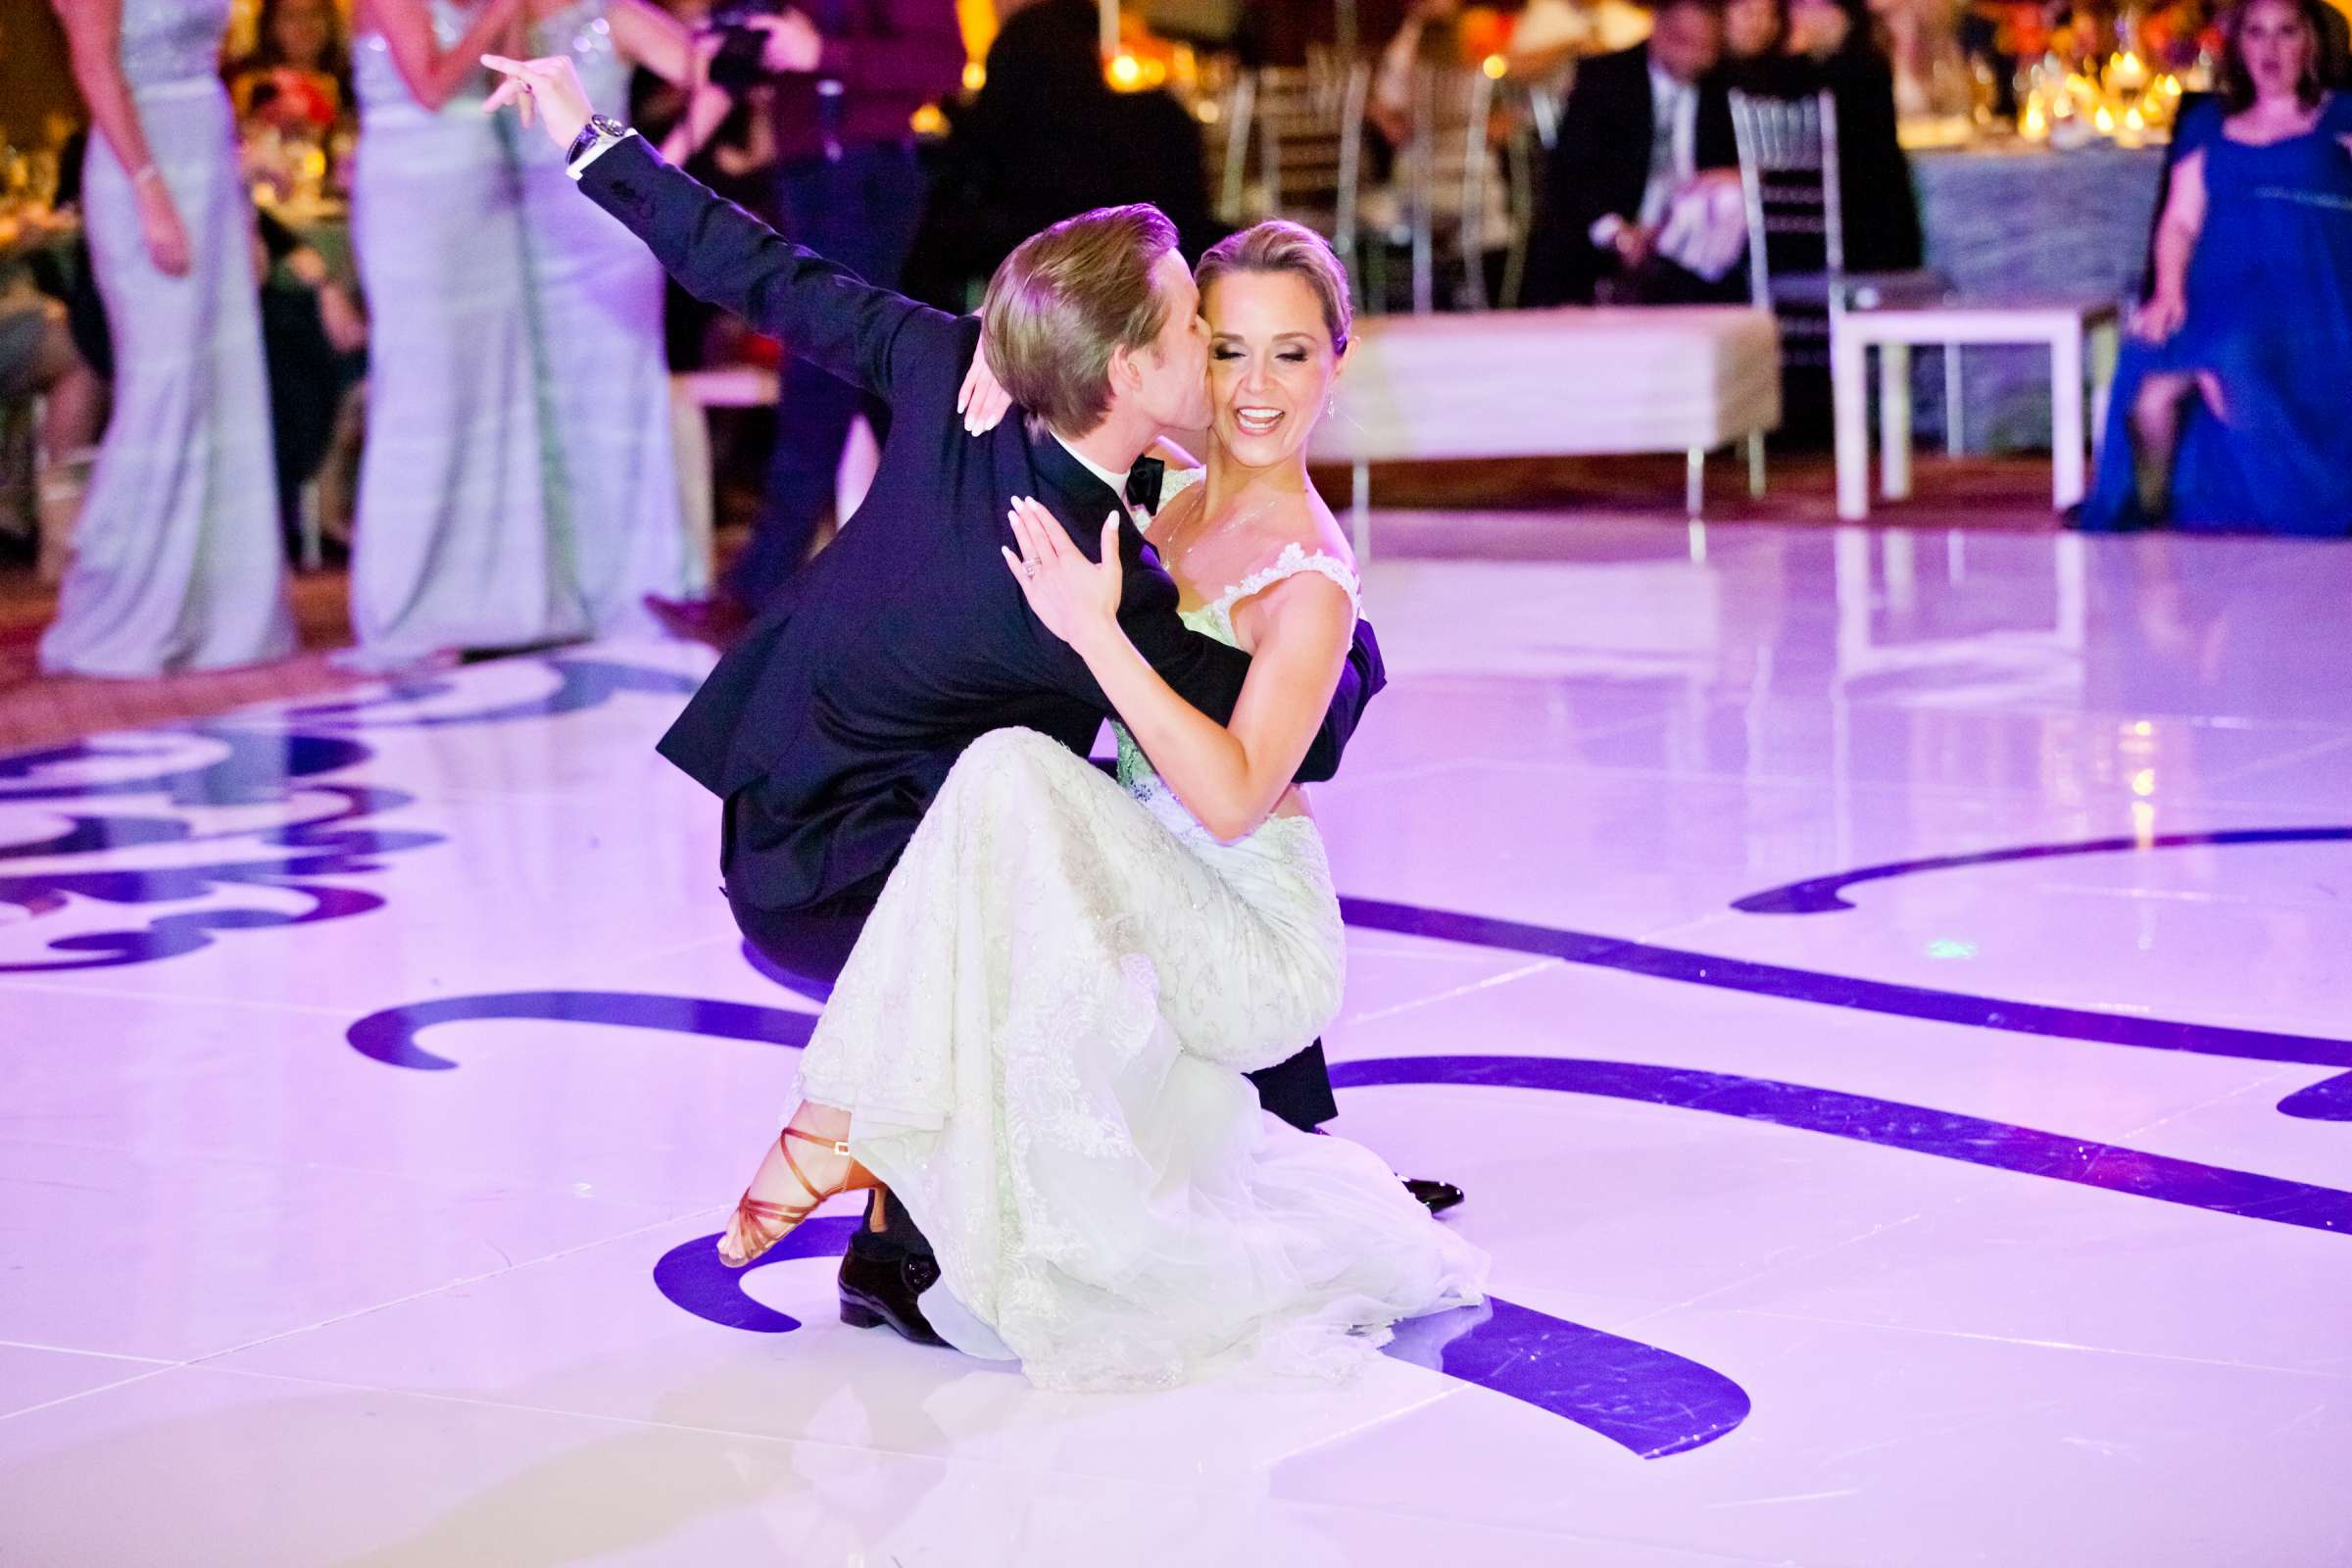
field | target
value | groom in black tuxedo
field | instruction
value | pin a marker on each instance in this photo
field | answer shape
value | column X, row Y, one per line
column 830, row 727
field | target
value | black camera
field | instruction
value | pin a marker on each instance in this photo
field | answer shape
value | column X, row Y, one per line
column 736, row 66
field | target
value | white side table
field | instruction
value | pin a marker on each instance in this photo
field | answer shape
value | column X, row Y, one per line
column 2067, row 326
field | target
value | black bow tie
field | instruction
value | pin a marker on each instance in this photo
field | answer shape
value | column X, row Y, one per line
column 1143, row 483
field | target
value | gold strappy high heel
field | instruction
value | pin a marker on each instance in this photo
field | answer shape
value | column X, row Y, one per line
column 766, row 1224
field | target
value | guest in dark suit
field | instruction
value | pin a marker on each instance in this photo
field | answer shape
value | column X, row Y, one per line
column 844, row 79
column 1639, row 126
column 830, row 725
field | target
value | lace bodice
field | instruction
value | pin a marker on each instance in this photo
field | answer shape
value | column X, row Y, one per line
column 1215, row 619
column 170, row 42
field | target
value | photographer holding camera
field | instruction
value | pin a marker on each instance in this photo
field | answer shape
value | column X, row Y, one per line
column 847, row 76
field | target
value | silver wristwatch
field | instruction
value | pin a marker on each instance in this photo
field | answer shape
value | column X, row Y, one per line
column 599, row 129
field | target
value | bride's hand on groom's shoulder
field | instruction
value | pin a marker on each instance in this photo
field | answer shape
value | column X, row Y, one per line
column 1077, row 599
column 982, row 400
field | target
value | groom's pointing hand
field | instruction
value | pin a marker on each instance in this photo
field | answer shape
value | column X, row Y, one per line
column 550, row 87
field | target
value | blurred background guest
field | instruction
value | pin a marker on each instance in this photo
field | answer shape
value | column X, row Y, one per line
column 848, row 76
column 297, row 77
column 176, row 562
column 38, row 358
column 2229, row 405
column 462, row 538
column 1640, row 128
column 1836, row 45
column 1755, row 50
column 1429, row 36
column 1045, row 138
column 315, row 338
column 519, row 485
column 596, row 299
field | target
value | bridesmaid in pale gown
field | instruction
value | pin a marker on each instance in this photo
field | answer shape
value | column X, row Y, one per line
column 599, row 293
column 518, row 486
column 178, row 563
column 462, row 540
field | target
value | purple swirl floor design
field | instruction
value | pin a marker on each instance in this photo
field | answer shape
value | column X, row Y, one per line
column 1821, row 895
column 334, row 845
column 2331, row 1100
column 1648, row 1401
column 390, row 1036
column 581, row 684
column 1888, row 1123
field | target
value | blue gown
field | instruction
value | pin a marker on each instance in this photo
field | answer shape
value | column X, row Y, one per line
column 518, row 484
column 176, row 560
column 2269, row 313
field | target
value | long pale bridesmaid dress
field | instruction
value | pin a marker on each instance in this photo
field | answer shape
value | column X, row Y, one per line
column 178, row 563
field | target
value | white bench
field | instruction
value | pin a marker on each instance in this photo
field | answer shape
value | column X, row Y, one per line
column 1574, row 382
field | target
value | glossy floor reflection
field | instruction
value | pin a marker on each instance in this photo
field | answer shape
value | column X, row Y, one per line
column 1884, row 995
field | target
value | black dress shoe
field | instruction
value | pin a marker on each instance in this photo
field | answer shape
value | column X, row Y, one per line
column 1437, row 1197
column 880, row 1289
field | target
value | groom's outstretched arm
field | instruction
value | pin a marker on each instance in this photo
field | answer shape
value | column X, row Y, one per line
column 869, row 337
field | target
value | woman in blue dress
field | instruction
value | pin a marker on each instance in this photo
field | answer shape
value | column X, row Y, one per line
column 176, row 562
column 518, row 486
column 2230, row 401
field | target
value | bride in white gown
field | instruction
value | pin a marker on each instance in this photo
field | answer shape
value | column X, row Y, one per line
column 1038, row 1042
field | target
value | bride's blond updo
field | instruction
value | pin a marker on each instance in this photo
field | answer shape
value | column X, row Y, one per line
column 1279, row 245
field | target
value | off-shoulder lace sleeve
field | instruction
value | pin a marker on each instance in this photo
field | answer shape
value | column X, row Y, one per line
column 1293, row 560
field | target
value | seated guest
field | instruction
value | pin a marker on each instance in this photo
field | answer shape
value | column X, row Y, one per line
column 298, row 76
column 2227, row 407
column 1834, row 44
column 1642, row 129
column 38, row 359
column 1755, row 50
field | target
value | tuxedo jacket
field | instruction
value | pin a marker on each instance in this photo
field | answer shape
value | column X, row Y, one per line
column 831, row 726
column 1600, row 165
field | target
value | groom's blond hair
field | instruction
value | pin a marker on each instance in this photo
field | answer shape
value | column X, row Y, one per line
column 1067, row 299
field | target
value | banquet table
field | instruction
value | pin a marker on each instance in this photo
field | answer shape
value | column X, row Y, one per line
column 2005, row 218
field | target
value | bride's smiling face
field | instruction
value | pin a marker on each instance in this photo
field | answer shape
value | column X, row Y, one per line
column 1270, row 364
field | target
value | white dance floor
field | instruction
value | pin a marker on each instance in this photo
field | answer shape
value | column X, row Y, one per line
column 1888, row 999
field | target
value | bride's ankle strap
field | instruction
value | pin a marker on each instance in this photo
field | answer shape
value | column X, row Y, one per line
column 838, row 1146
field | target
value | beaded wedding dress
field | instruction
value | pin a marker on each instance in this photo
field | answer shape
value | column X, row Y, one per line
column 1041, row 1037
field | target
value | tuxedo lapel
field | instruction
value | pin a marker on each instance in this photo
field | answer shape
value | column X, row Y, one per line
column 1081, row 500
